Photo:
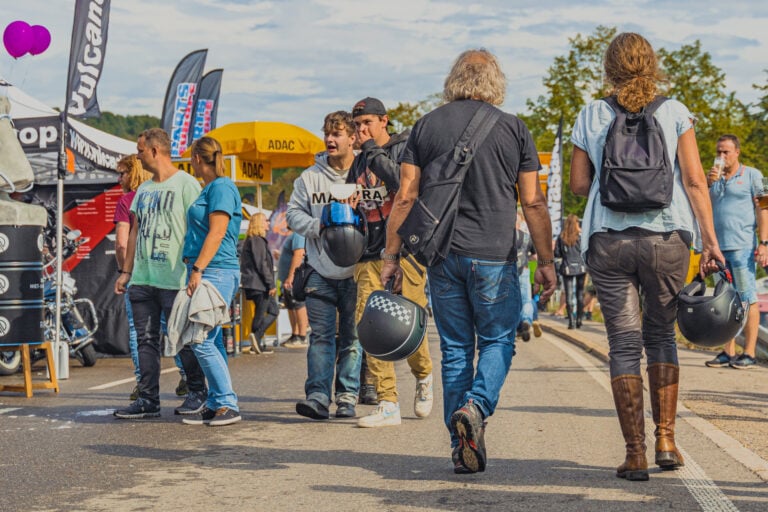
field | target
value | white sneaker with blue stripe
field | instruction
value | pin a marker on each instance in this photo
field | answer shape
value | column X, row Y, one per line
column 386, row 414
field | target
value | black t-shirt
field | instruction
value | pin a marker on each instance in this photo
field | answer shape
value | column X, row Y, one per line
column 485, row 226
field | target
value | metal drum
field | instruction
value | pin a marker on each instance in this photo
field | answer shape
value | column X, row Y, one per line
column 21, row 285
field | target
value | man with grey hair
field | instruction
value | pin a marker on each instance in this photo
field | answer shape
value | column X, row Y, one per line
column 475, row 289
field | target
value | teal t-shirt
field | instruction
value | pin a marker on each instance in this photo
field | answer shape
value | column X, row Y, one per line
column 220, row 195
column 161, row 217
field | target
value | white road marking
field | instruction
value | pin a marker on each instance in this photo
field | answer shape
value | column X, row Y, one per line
column 127, row 381
column 9, row 409
column 706, row 493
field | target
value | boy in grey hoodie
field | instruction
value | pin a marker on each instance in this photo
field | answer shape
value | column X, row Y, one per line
column 331, row 290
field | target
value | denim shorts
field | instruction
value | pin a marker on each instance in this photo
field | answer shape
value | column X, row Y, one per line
column 741, row 263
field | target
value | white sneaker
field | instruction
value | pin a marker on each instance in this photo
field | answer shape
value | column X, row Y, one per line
column 422, row 402
column 387, row 414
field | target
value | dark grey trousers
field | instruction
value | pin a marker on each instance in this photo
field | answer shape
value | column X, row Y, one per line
column 638, row 275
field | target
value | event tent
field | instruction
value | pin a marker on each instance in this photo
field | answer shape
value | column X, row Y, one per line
column 38, row 127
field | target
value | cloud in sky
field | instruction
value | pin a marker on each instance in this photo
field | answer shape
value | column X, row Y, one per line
column 295, row 61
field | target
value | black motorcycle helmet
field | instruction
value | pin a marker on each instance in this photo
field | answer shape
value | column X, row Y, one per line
column 343, row 233
column 710, row 320
column 392, row 327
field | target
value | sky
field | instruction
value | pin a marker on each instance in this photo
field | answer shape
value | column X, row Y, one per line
column 295, row 61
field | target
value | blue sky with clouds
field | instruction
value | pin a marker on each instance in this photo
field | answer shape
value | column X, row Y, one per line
column 294, row 61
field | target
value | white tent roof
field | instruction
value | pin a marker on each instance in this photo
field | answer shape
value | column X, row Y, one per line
column 25, row 108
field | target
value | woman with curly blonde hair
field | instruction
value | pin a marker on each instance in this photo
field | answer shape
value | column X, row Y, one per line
column 649, row 250
column 130, row 174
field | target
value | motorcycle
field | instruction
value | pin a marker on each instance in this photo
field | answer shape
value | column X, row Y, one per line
column 75, row 330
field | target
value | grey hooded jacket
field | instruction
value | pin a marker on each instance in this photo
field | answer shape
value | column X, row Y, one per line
column 312, row 191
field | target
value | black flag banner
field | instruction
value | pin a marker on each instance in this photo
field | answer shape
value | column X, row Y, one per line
column 86, row 57
column 207, row 104
column 179, row 105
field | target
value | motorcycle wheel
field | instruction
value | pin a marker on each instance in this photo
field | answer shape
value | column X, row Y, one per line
column 86, row 356
column 10, row 362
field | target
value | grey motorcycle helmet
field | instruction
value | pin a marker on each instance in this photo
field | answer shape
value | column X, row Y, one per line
column 710, row 321
column 391, row 327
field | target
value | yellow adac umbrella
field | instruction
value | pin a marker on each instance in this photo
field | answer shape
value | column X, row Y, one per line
column 281, row 144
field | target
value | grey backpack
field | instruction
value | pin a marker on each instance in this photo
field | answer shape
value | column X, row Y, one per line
column 636, row 175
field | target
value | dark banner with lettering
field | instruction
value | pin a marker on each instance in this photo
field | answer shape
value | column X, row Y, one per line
column 86, row 57
column 91, row 209
column 179, row 104
column 207, row 104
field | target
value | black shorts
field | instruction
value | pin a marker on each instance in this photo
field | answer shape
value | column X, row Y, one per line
column 289, row 301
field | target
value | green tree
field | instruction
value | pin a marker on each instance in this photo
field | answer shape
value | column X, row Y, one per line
column 572, row 81
column 758, row 138
column 127, row 127
column 405, row 115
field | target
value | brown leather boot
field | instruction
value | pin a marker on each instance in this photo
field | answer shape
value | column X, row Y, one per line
column 663, row 381
column 628, row 397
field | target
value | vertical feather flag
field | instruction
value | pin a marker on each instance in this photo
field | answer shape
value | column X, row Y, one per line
column 179, row 104
column 555, row 183
column 278, row 224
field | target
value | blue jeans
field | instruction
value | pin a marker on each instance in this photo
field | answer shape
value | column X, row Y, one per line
column 474, row 300
column 133, row 342
column 327, row 351
column 527, row 314
column 209, row 354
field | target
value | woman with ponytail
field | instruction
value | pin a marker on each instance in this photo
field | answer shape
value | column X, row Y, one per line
column 649, row 251
column 210, row 251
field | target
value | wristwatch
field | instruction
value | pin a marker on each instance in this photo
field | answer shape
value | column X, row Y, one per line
column 763, row 242
column 389, row 257
column 196, row 269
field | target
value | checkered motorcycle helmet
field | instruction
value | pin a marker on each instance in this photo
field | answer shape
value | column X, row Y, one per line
column 392, row 327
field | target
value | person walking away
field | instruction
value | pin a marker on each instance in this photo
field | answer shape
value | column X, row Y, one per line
column 210, row 251
column 331, row 290
column 523, row 247
column 734, row 193
column 475, row 289
column 258, row 280
column 377, row 172
column 130, row 174
column 572, row 269
column 156, row 272
column 625, row 252
column 291, row 256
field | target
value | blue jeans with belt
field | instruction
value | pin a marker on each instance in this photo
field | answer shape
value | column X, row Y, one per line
column 328, row 352
column 476, row 304
column 209, row 354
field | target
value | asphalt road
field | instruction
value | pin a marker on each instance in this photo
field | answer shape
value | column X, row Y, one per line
column 553, row 445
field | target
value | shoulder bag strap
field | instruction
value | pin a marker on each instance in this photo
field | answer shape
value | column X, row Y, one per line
column 474, row 134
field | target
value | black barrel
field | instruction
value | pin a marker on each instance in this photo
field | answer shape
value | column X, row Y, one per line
column 21, row 285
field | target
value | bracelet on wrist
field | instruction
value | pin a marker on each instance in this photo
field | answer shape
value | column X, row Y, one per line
column 543, row 263
column 124, row 272
column 195, row 268
column 389, row 257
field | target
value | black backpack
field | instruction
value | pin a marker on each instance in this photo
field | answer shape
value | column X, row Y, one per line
column 636, row 175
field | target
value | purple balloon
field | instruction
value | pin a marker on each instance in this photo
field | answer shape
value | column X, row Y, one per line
column 17, row 38
column 41, row 39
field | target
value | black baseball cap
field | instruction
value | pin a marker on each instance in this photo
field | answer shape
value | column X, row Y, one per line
column 369, row 106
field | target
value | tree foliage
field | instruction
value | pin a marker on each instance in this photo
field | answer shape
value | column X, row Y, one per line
column 405, row 115
column 127, row 127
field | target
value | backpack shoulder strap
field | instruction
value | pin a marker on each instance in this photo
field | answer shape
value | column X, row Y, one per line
column 612, row 102
column 655, row 104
